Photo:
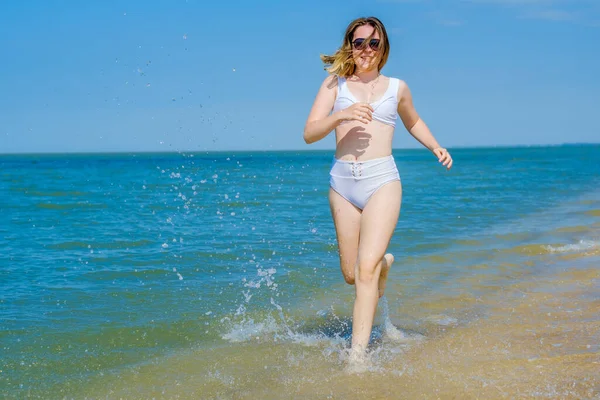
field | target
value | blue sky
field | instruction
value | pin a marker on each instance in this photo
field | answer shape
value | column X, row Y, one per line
column 200, row 75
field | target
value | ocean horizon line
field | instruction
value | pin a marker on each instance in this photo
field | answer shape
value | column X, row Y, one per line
column 264, row 151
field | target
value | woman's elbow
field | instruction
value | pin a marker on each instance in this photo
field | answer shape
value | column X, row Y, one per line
column 307, row 136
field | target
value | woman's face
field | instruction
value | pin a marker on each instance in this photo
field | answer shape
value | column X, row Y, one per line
column 366, row 55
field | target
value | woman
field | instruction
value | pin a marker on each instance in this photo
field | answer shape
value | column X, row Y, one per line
column 365, row 192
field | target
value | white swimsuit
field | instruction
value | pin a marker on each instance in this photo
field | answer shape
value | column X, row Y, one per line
column 357, row 181
column 384, row 110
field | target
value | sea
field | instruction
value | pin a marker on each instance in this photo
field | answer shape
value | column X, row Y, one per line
column 215, row 275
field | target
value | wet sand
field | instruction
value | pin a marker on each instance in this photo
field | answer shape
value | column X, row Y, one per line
column 538, row 338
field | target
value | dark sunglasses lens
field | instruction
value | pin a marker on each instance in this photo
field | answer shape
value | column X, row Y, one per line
column 358, row 43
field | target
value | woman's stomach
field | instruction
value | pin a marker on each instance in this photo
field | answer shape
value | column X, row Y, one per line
column 358, row 141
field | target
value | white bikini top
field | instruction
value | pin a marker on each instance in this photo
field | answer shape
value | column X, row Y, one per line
column 385, row 109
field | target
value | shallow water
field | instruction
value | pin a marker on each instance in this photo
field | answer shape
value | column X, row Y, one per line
column 216, row 276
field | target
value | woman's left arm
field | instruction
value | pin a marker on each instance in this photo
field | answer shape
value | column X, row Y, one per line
column 417, row 127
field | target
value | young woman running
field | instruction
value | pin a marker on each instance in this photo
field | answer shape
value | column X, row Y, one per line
column 365, row 194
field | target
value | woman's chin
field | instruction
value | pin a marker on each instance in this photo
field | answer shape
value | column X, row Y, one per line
column 365, row 67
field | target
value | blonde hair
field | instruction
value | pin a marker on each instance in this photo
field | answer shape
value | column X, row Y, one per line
column 341, row 62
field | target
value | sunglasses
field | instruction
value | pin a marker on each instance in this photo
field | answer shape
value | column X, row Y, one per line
column 360, row 44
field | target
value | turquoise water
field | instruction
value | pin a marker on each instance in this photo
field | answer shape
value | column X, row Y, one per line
column 111, row 261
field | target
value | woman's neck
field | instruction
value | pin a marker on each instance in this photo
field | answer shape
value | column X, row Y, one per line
column 367, row 76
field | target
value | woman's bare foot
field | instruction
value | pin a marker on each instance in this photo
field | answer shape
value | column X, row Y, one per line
column 358, row 361
column 388, row 259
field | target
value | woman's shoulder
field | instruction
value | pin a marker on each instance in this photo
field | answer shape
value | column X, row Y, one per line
column 401, row 85
column 330, row 81
column 395, row 79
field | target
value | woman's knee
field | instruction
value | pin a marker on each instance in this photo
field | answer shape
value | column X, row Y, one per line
column 350, row 280
column 366, row 269
column 348, row 272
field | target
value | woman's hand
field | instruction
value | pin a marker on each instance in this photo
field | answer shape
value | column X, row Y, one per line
column 362, row 112
column 443, row 156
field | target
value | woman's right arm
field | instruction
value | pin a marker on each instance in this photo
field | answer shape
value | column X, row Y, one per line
column 319, row 123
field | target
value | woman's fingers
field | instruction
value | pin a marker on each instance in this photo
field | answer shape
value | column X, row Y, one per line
column 443, row 157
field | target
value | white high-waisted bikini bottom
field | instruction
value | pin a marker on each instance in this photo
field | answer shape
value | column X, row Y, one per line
column 356, row 181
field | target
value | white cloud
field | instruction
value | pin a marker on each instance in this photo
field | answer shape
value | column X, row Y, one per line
column 509, row 2
column 586, row 12
column 532, row 2
column 400, row 1
column 445, row 19
column 579, row 11
column 551, row 15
